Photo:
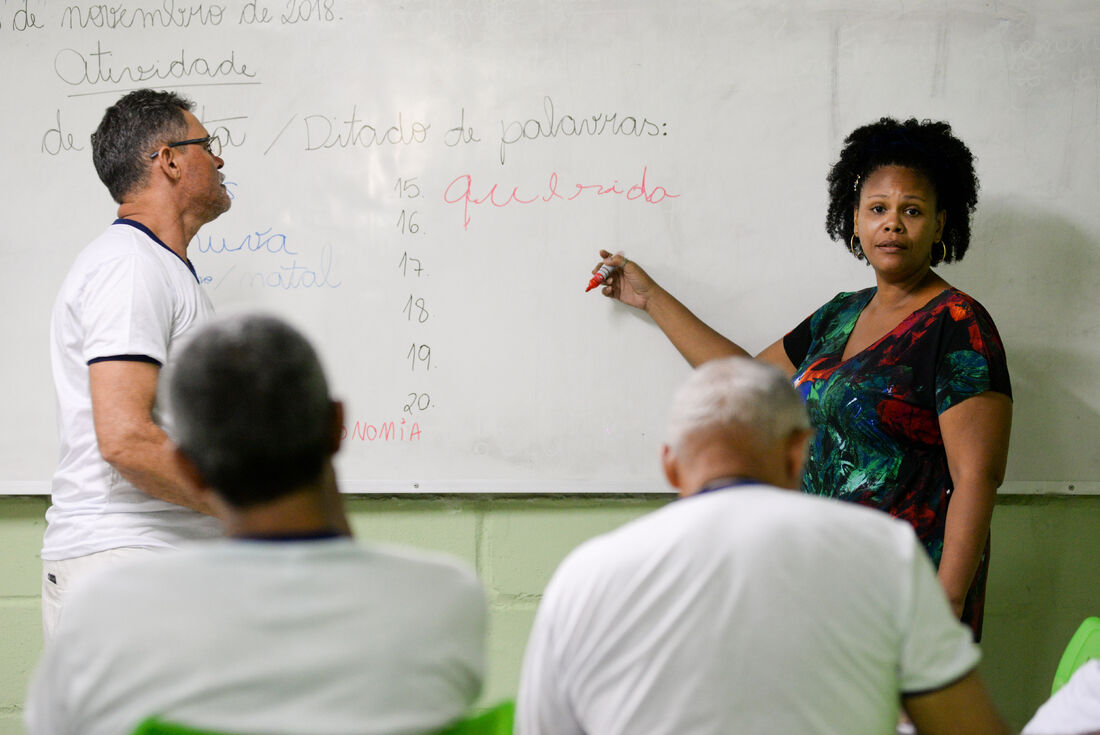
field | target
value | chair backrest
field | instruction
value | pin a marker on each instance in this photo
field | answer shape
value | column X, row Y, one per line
column 1084, row 644
column 496, row 720
column 157, row 726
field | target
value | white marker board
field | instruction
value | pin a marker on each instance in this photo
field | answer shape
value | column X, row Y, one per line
column 422, row 187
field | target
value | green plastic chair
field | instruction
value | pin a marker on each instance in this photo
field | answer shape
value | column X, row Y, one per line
column 157, row 726
column 1084, row 645
column 496, row 720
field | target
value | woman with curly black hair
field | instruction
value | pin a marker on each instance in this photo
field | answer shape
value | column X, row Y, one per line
column 905, row 382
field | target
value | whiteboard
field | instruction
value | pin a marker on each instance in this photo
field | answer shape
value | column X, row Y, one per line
column 422, row 187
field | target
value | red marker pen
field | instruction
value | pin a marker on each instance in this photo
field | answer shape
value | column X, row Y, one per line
column 601, row 274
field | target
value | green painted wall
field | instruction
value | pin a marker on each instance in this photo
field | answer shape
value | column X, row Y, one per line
column 1043, row 582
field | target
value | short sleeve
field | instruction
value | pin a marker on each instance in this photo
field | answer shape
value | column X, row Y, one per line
column 126, row 311
column 971, row 357
column 936, row 650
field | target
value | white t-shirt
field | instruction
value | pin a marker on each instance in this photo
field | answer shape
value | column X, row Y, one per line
column 321, row 636
column 127, row 296
column 1072, row 710
column 744, row 610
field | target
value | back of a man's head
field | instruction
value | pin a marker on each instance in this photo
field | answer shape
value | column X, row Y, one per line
column 129, row 131
column 251, row 409
column 742, row 396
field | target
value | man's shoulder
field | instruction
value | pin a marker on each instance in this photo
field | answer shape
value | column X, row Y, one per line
column 430, row 591
column 725, row 521
column 344, row 550
column 411, row 556
column 834, row 526
column 754, row 505
column 159, row 578
column 435, row 570
column 363, row 564
column 118, row 243
column 677, row 528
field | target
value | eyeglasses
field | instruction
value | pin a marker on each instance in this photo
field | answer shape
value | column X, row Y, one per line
column 211, row 143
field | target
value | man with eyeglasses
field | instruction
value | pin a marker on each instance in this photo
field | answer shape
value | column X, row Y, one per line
column 129, row 298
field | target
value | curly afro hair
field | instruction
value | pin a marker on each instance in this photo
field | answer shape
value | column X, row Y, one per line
column 924, row 146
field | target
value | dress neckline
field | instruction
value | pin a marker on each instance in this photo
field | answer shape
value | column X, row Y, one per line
column 901, row 326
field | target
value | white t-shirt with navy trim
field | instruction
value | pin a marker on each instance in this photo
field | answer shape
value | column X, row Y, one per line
column 126, row 297
column 744, row 610
column 322, row 636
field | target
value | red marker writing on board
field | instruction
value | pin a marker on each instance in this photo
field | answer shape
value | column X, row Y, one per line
column 601, row 274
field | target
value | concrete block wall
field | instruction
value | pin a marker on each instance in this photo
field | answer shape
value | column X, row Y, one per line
column 514, row 543
column 22, row 522
column 1043, row 582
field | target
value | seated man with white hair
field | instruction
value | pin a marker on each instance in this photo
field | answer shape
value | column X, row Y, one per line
column 289, row 626
column 745, row 607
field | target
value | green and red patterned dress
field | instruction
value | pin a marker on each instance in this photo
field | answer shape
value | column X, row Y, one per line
column 877, row 438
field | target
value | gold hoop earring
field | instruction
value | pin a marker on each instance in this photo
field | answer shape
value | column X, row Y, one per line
column 937, row 261
column 856, row 248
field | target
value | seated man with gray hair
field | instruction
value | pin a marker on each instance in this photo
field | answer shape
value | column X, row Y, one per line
column 744, row 607
column 288, row 626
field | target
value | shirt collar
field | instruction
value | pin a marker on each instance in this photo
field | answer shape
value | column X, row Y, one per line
column 153, row 236
column 726, row 483
column 321, row 535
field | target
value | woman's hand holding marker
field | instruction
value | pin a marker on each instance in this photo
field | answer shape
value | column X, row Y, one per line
column 602, row 271
column 632, row 285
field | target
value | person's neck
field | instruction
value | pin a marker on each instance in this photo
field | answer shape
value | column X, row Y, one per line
column 310, row 510
column 919, row 287
column 175, row 230
column 708, row 472
column 728, row 481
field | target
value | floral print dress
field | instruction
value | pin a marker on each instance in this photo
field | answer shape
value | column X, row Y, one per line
column 877, row 438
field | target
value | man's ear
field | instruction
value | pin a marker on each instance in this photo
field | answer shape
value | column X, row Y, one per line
column 336, row 436
column 671, row 466
column 167, row 161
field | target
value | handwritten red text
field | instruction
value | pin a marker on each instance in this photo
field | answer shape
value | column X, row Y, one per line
column 462, row 190
column 384, row 431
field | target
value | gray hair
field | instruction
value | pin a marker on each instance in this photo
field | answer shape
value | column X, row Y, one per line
column 251, row 408
column 736, row 392
column 129, row 130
